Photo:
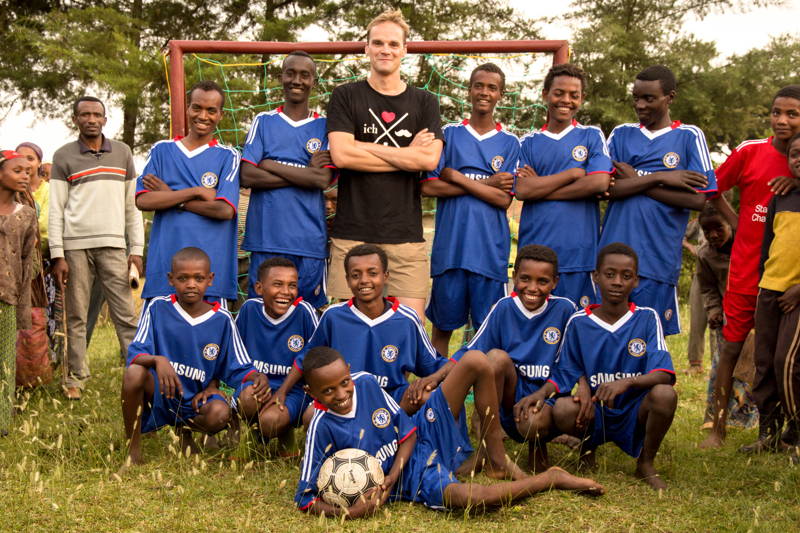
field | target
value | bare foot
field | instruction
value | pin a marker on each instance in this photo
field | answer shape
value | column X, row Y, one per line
column 187, row 444
column 694, row 370
column 211, row 443
column 473, row 465
column 714, row 440
column 506, row 470
column 567, row 440
column 647, row 473
column 563, row 480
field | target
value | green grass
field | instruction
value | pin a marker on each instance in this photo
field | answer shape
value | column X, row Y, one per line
column 57, row 473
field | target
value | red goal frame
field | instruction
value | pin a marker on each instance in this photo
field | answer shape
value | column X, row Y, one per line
column 177, row 48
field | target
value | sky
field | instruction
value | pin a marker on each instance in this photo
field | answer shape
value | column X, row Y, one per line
column 734, row 33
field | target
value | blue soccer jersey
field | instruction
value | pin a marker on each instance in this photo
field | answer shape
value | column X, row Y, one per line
column 200, row 349
column 654, row 229
column 531, row 338
column 570, row 227
column 214, row 166
column 273, row 343
column 634, row 345
column 388, row 347
column 375, row 424
column 467, row 219
column 289, row 220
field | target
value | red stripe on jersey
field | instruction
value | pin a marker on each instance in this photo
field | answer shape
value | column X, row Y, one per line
column 407, row 435
column 142, row 192
column 309, row 504
column 297, row 302
column 135, row 357
column 294, row 363
column 227, row 202
column 318, row 405
column 554, row 385
column 395, row 302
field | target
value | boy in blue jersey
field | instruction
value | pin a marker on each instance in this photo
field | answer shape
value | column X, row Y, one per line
column 663, row 170
column 274, row 328
column 379, row 335
column 616, row 353
column 416, row 453
column 473, row 183
column 563, row 168
column 183, row 348
column 521, row 337
column 192, row 184
column 287, row 164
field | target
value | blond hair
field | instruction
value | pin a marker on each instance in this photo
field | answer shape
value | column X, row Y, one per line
column 390, row 15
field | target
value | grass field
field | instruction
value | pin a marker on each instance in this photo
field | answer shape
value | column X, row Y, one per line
column 57, row 474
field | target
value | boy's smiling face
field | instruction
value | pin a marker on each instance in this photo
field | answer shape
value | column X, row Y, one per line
column 366, row 278
column 616, row 277
column 533, row 283
column 191, row 278
column 794, row 158
column 332, row 386
column 278, row 288
column 564, row 98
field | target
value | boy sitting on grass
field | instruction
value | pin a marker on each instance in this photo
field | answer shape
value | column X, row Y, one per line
column 275, row 328
column 521, row 336
column 183, row 347
column 417, row 453
column 617, row 354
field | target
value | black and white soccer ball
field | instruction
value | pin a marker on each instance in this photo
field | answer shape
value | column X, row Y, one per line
column 348, row 474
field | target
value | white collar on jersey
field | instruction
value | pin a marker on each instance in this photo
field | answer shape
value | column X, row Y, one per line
column 379, row 320
column 658, row 133
column 352, row 413
column 612, row 328
column 560, row 135
column 488, row 135
column 297, row 123
column 197, row 151
column 286, row 315
column 524, row 310
column 193, row 321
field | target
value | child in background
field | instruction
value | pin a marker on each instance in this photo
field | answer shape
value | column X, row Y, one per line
column 713, row 260
column 17, row 246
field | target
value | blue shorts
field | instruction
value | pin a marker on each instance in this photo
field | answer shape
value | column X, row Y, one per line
column 169, row 412
column 458, row 294
column 311, row 275
column 430, row 468
column 663, row 297
column 620, row 426
column 525, row 387
column 296, row 401
column 578, row 287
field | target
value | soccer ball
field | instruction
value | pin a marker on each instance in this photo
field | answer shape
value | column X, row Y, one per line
column 348, row 474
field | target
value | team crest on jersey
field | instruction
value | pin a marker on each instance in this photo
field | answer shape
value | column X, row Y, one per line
column 584, row 301
column 389, row 353
column 668, row 315
column 580, row 153
column 637, row 347
column 210, row 351
column 295, row 343
column 381, row 418
column 497, row 162
column 430, row 415
column 313, row 145
column 209, row 180
column 671, row 160
column 551, row 335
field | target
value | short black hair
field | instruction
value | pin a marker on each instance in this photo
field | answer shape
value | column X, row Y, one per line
column 661, row 74
column 86, row 98
column 537, row 252
column 319, row 356
column 565, row 69
column 790, row 91
column 208, row 86
column 489, row 67
column 263, row 268
column 190, row 253
column 367, row 249
column 709, row 211
column 791, row 141
column 299, row 53
column 617, row 248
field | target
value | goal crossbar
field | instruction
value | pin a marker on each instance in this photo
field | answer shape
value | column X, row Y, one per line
column 177, row 48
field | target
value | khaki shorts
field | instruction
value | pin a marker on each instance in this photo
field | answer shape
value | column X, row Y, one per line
column 409, row 269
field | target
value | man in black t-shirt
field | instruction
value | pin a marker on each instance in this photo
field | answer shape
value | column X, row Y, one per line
column 383, row 133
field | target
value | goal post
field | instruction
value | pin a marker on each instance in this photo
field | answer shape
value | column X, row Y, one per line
column 176, row 49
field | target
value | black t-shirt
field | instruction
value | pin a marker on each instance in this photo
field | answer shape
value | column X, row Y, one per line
column 380, row 207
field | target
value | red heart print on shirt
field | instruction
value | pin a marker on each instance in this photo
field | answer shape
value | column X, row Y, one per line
column 387, row 116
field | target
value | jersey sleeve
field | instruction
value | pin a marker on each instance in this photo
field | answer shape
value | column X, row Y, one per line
column 228, row 187
column 235, row 363
column 699, row 159
column 487, row 337
column 319, row 446
column 511, row 161
column 614, row 148
column 428, row 359
column 403, row 424
column 151, row 166
column 339, row 115
column 658, row 358
column 144, row 341
column 253, row 150
column 599, row 157
column 568, row 366
column 730, row 171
